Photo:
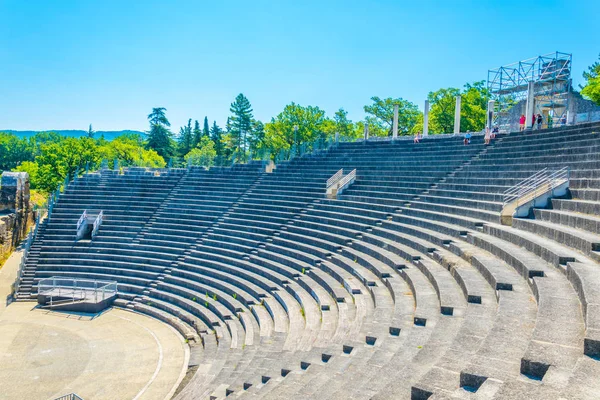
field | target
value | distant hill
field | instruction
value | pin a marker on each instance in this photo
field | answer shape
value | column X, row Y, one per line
column 108, row 135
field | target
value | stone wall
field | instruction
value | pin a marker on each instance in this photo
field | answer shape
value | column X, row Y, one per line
column 16, row 213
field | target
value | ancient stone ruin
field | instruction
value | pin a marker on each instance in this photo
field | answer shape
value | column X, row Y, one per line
column 16, row 213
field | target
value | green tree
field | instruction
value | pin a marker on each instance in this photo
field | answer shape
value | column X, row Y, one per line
column 205, row 129
column 256, row 140
column 14, row 150
column 241, row 124
column 343, row 125
column 591, row 89
column 129, row 150
column 159, row 136
column 474, row 98
column 58, row 160
column 216, row 135
column 474, row 107
column 381, row 116
column 441, row 114
column 197, row 133
column 33, row 170
column 280, row 133
column 204, row 154
column 158, row 117
column 186, row 139
column 90, row 132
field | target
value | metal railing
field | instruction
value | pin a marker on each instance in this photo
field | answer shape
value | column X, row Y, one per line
column 70, row 396
column 542, row 181
column 97, row 224
column 335, row 178
column 81, row 219
column 346, row 181
column 71, row 290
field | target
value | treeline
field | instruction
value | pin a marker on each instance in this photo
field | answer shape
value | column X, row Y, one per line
column 244, row 137
column 49, row 158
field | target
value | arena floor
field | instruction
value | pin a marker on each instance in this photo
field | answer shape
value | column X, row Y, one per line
column 116, row 355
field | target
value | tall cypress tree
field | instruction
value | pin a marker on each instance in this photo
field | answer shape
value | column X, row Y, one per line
column 91, row 132
column 216, row 134
column 186, row 139
column 197, row 133
column 206, row 130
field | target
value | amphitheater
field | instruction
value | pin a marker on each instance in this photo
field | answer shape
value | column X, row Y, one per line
column 409, row 284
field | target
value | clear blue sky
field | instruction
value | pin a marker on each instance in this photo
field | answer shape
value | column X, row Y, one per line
column 66, row 63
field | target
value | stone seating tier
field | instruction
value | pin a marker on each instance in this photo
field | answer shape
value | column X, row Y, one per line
column 406, row 286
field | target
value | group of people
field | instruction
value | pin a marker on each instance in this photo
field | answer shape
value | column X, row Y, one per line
column 490, row 134
column 534, row 119
column 539, row 119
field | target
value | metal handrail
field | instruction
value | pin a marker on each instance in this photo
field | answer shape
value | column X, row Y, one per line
column 81, row 219
column 97, row 223
column 335, row 178
column 346, row 180
column 546, row 179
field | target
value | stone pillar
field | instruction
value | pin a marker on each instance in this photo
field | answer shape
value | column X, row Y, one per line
column 14, row 191
column 366, row 133
column 490, row 114
column 457, row 116
column 395, row 127
column 529, row 107
column 426, row 119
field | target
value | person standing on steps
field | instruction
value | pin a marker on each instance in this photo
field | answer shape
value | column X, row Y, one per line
column 539, row 121
column 522, row 123
column 487, row 136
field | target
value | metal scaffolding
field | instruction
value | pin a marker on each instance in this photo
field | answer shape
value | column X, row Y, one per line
column 551, row 75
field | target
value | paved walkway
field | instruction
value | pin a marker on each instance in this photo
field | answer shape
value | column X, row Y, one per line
column 8, row 274
column 117, row 355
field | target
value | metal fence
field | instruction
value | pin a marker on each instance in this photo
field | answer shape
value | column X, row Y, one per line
column 76, row 289
column 70, row 396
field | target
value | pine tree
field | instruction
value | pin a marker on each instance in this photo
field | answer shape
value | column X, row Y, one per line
column 159, row 136
column 197, row 133
column 216, row 134
column 186, row 139
column 90, row 132
column 241, row 123
column 206, row 130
